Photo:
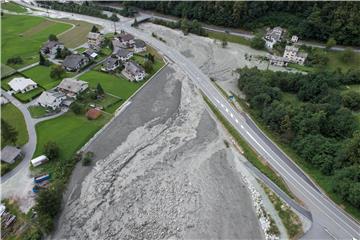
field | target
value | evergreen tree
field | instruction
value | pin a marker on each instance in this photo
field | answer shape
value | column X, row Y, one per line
column 99, row 90
column 52, row 37
column 94, row 29
column 42, row 60
column 8, row 133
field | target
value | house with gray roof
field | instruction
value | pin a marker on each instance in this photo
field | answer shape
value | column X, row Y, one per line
column 273, row 36
column 50, row 48
column 95, row 39
column 10, row 154
column 134, row 71
column 123, row 54
column 74, row 62
column 110, row 64
column 139, row 46
column 126, row 39
column 51, row 99
column 72, row 87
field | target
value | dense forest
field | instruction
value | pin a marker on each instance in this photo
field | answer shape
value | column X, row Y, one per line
column 312, row 115
column 309, row 20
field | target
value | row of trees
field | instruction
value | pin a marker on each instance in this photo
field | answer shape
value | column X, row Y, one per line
column 309, row 20
column 316, row 120
column 184, row 24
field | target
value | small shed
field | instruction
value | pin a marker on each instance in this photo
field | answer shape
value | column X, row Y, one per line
column 10, row 153
column 93, row 113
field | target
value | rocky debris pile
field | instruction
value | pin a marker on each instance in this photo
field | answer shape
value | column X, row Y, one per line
column 264, row 218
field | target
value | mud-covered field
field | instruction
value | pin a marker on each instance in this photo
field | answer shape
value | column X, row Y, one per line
column 168, row 175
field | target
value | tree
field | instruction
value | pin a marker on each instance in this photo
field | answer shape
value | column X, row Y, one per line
column 99, row 90
column 42, row 60
column 331, row 42
column 51, row 150
column 224, row 42
column 57, row 72
column 76, row 108
column 52, row 37
column 351, row 100
column 135, row 24
column 15, row 60
column 148, row 66
column 58, row 53
column 150, row 57
column 94, row 29
column 114, row 18
column 257, row 42
column 8, row 133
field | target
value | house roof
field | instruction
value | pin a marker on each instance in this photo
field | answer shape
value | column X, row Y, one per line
column 133, row 68
column 9, row 154
column 139, row 43
column 125, row 37
column 93, row 113
column 20, row 83
column 91, row 52
column 51, row 44
column 121, row 52
column 73, row 60
column 278, row 58
column 110, row 62
column 274, row 33
column 94, row 35
column 291, row 48
column 49, row 97
column 72, row 85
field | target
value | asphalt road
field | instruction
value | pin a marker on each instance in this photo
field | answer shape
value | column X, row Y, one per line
column 328, row 219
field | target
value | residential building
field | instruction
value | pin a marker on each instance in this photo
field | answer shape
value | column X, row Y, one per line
column 95, row 39
column 51, row 99
column 110, row 64
column 139, row 46
column 134, row 71
column 117, row 44
column 72, row 87
column 90, row 53
column 292, row 53
column 22, row 85
column 278, row 61
column 10, row 154
column 273, row 36
column 74, row 62
column 123, row 54
column 50, row 48
column 294, row 39
column 126, row 39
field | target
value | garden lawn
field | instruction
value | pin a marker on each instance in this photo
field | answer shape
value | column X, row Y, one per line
column 37, row 111
column 6, row 70
column 14, row 117
column 41, row 75
column 13, row 7
column 118, row 86
column 69, row 131
column 78, row 35
column 24, row 35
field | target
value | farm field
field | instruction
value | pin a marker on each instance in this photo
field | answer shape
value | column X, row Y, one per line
column 13, row 7
column 78, row 35
column 24, row 35
column 70, row 132
column 41, row 75
column 14, row 117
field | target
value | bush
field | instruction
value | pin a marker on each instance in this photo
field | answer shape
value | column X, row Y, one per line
column 77, row 108
column 257, row 43
column 88, row 159
column 15, row 60
column 57, row 72
column 51, row 150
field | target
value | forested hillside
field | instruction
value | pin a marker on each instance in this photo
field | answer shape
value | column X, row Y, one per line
column 309, row 20
column 314, row 114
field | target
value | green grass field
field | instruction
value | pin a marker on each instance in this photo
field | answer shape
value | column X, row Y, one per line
column 24, row 35
column 69, row 131
column 6, row 70
column 230, row 38
column 13, row 7
column 37, row 111
column 112, row 84
column 77, row 35
column 28, row 96
column 41, row 75
column 14, row 117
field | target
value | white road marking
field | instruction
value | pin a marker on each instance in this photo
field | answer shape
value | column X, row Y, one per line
column 236, row 121
column 231, row 115
column 242, row 126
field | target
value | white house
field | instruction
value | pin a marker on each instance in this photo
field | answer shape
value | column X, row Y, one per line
column 95, row 39
column 278, row 61
column 134, row 71
column 51, row 99
column 273, row 36
column 294, row 39
column 139, row 46
column 22, row 84
column 72, row 87
column 292, row 53
column 123, row 54
column 126, row 39
column 50, row 48
column 110, row 64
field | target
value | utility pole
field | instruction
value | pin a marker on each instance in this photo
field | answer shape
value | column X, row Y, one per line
column 114, row 27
